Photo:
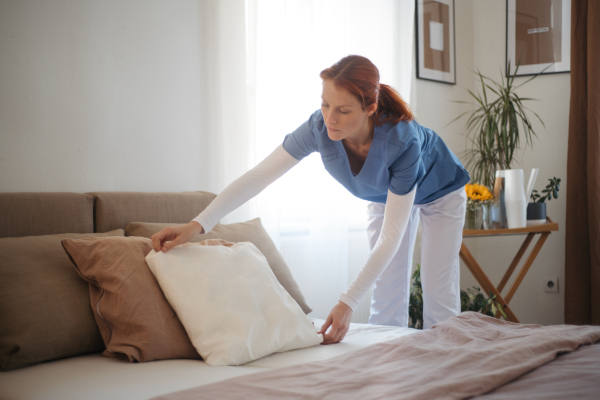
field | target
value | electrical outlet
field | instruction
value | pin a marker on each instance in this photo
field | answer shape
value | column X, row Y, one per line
column 551, row 284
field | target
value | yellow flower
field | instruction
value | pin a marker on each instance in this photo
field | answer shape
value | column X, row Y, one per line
column 478, row 192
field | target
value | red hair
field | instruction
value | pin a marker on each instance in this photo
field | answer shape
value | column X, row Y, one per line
column 360, row 76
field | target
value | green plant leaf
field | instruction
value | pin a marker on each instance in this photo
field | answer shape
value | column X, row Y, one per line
column 496, row 129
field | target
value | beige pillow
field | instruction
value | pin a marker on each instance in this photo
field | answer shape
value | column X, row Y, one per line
column 249, row 231
column 135, row 320
column 45, row 310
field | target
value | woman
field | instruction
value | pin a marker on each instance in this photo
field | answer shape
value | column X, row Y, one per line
column 371, row 143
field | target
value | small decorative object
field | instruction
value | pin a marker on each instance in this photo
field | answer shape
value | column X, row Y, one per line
column 536, row 211
column 496, row 128
column 474, row 217
column 470, row 300
column 538, row 36
column 435, row 41
column 491, row 209
column 477, row 197
column 497, row 208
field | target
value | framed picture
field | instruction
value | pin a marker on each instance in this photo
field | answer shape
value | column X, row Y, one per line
column 538, row 36
column 435, row 40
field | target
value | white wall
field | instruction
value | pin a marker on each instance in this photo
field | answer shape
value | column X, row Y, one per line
column 100, row 95
column 480, row 44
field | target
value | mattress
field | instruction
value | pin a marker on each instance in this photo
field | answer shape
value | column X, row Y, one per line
column 95, row 377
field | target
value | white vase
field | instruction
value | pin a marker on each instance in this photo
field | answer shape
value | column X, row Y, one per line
column 514, row 197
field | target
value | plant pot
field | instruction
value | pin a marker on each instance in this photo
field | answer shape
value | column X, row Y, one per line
column 536, row 214
column 474, row 218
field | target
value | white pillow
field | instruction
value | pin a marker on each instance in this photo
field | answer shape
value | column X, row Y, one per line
column 229, row 301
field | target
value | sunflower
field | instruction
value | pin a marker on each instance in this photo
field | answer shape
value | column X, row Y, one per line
column 478, row 192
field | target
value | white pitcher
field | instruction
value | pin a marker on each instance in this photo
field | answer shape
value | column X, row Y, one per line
column 516, row 196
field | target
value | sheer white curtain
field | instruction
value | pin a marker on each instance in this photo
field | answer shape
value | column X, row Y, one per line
column 318, row 226
column 226, row 113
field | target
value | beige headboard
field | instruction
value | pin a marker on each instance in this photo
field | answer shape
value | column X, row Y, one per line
column 32, row 214
column 115, row 210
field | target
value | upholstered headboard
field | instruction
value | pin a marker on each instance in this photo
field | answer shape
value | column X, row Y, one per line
column 33, row 214
column 115, row 210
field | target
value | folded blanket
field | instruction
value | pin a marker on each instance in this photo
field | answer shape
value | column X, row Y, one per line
column 464, row 356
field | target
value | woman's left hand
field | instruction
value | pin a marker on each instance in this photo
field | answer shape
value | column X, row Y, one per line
column 339, row 320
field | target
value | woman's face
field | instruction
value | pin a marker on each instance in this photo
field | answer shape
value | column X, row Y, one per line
column 344, row 115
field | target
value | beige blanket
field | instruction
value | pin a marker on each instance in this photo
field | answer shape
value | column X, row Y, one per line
column 464, row 356
column 574, row 375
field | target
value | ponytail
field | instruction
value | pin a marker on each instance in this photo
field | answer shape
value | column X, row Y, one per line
column 391, row 107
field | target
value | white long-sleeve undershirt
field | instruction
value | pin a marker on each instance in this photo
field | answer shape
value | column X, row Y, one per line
column 395, row 219
column 246, row 187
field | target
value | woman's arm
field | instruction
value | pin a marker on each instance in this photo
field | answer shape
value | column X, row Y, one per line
column 237, row 193
column 395, row 220
column 246, row 187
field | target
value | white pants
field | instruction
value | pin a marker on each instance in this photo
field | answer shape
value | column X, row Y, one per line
column 442, row 222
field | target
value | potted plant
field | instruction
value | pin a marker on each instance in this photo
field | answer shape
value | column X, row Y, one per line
column 493, row 127
column 415, row 303
column 536, row 211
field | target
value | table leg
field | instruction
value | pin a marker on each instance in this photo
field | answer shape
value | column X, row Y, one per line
column 525, row 268
column 515, row 261
column 484, row 281
column 530, row 259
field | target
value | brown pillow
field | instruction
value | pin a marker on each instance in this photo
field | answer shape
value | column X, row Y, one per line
column 45, row 310
column 135, row 319
column 249, row 231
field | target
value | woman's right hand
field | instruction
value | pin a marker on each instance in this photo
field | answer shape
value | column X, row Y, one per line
column 175, row 235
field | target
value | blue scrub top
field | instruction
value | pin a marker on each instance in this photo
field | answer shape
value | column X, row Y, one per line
column 401, row 156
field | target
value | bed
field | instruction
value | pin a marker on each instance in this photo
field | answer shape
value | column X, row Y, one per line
column 469, row 356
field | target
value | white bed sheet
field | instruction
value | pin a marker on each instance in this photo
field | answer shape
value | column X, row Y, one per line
column 95, row 377
column 359, row 336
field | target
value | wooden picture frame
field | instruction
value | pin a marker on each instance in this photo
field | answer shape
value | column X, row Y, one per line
column 538, row 34
column 436, row 52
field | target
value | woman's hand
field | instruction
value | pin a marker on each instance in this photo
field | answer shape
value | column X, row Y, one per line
column 339, row 320
column 175, row 235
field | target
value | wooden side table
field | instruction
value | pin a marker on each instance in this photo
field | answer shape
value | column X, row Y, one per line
column 487, row 286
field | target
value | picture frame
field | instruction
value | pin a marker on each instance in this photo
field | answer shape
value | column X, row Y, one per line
column 435, row 35
column 538, row 34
